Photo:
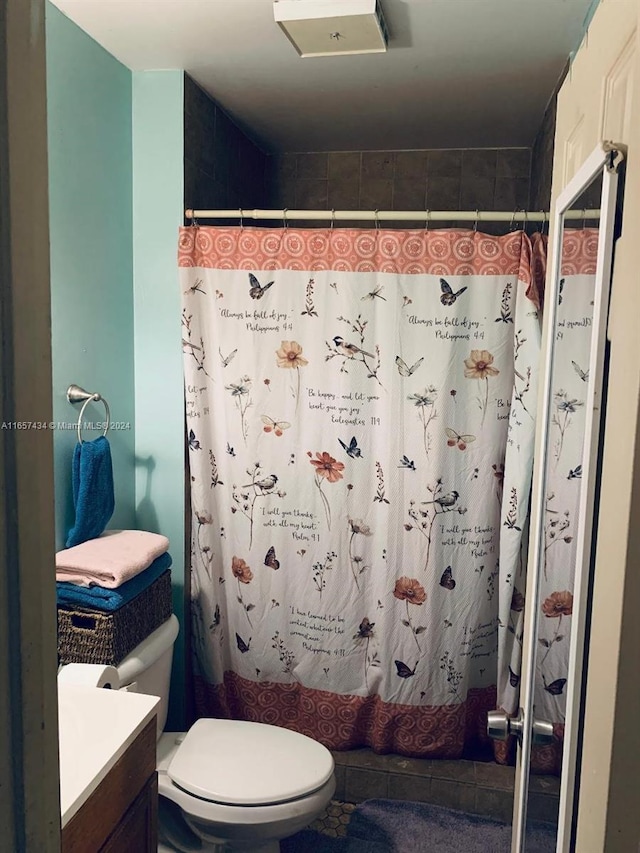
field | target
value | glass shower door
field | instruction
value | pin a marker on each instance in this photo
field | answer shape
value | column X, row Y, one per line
column 564, row 504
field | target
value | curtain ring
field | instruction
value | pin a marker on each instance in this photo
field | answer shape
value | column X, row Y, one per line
column 475, row 224
column 584, row 218
column 333, row 217
column 377, row 221
column 241, row 219
column 284, row 216
column 513, row 219
column 194, row 221
column 426, row 220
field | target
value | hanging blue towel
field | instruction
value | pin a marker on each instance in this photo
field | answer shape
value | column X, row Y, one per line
column 92, row 483
column 107, row 600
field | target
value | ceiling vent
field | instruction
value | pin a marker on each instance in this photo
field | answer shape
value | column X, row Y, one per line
column 332, row 27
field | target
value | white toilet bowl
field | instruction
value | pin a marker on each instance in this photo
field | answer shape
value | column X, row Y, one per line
column 240, row 786
column 227, row 785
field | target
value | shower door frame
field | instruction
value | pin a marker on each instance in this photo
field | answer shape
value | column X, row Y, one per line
column 600, row 161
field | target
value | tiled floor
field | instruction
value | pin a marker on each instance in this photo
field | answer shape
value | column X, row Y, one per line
column 335, row 819
column 483, row 788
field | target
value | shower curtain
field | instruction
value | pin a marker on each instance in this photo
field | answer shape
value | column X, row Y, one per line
column 564, row 472
column 360, row 418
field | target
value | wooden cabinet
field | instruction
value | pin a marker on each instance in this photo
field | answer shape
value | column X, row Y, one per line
column 121, row 815
column 137, row 831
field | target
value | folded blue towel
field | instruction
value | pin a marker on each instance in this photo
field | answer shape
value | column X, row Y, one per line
column 92, row 483
column 108, row 600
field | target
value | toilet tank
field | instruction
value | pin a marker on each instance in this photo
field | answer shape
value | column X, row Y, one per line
column 147, row 669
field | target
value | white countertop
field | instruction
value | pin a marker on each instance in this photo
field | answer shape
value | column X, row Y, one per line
column 95, row 728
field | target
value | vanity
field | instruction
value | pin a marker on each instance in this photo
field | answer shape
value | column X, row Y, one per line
column 108, row 779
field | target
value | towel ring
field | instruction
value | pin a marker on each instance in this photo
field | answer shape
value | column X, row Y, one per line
column 76, row 394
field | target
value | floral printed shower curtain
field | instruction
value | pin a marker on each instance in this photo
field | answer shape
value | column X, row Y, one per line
column 565, row 444
column 360, row 417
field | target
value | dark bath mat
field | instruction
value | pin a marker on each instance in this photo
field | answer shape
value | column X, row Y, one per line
column 423, row 828
column 392, row 826
column 309, row 841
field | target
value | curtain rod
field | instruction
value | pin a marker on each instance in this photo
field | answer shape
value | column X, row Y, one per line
column 391, row 215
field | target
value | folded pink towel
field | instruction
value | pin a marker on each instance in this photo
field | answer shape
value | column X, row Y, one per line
column 111, row 559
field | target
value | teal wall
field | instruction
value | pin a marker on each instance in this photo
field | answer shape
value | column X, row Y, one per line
column 160, row 433
column 90, row 190
column 116, row 200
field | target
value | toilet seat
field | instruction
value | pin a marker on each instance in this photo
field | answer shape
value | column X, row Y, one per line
column 243, row 764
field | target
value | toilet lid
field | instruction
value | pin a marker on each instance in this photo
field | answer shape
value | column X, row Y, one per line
column 240, row 763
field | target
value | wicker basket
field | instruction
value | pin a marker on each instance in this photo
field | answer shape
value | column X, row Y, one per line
column 92, row 636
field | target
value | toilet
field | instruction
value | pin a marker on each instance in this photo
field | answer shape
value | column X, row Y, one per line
column 226, row 785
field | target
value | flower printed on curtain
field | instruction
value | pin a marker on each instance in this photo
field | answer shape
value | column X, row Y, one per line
column 357, row 403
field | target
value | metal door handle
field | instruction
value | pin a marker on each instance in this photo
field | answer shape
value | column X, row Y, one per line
column 500, row 726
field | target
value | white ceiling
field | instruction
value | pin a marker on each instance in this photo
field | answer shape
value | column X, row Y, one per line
column 458, row 73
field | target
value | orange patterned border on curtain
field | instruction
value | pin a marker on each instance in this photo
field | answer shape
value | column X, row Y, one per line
column 450, row 252
column 346, row 722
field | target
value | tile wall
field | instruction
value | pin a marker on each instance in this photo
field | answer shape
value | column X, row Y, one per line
column 469, row 179
column 542, row 152
column 223, row 167
column 542, row 160
column 478, row 787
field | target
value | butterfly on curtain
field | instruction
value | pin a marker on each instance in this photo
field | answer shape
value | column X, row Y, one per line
column 194, row 444
column 455, row 439
column 583, row 374
column 226, row 360
column 257, row 290
column 352, row 450
column 448, row 297
column 514, row 678
column 365, row 630
column 242, row 646
column 277, row 427
column 270, row 560
column 447, row 580
column 556, row 687
column 230, row 450
column 403, row 367
column 575, row 473
column 403, row 670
